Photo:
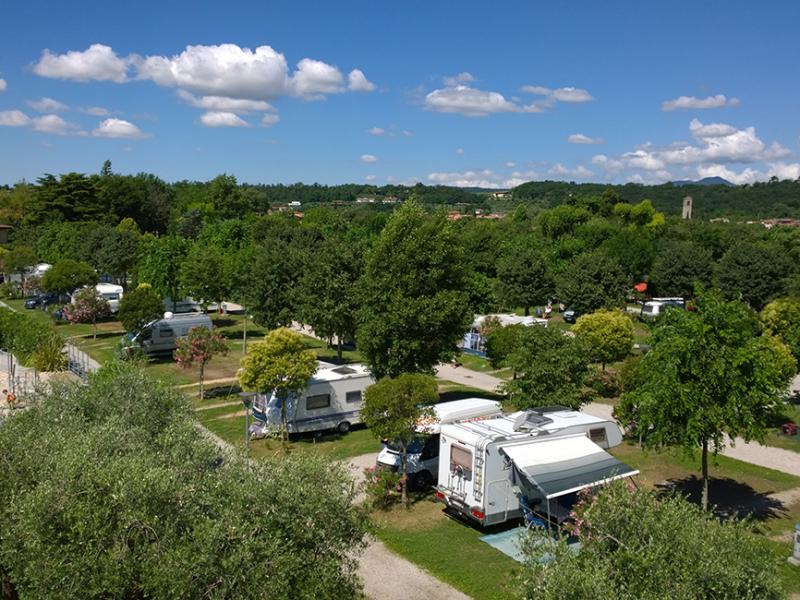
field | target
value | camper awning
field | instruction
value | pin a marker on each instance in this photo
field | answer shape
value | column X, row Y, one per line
column 565, row 464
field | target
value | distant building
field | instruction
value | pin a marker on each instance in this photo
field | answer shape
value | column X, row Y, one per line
column 294, row 204
column 687, row 207
column 365, row 200
column 500, row 194
column 5, row 232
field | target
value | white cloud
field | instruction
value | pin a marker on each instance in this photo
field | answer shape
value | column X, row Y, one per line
column 269, row 119
column 459, row 79
column 224, row 104
column 460, row 151
column 408, row 133
column 471, row 102
column 699, row 130
column 119, row 129
column 510, row 164
column 56, row 125
column 368, row 158
column 14, row 118
column 564, row 94
column 97, row 111
column 369, row 178
column 579, row 172
column 47, row 105
column 579, row 138
column 750, row 175
column 3, row 85
column 358, row 82
column 376, row 131
column 484, row 178
column 686, row 102
column 96, row 63
column 222, row 119
column 315, row 78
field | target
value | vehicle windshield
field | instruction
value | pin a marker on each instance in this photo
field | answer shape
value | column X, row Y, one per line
column 414, row 446
column 648, row 308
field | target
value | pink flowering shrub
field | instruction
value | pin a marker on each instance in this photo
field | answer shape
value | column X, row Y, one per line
column 198, row 348
column 383, row 487
column 87, row 307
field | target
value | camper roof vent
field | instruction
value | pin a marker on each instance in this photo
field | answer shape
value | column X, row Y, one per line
column 344, row 370
column 530, row 420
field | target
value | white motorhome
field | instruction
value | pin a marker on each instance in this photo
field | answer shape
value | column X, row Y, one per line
column 161, row 336
column 475, row 343
column 494, row 469
column 655, row 307
column 111, row 293
column 422, row 454
column 332, row 399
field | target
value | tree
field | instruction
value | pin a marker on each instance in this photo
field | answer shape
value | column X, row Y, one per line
column 274, row 276
column 67, row 275
column 635, row 545
column 87, row 307
column 18, row 260
column 138, row 307
column 678, row 267
column 709, row 373
column 592, row 281
column 607, row 335
column 414, row 304
column 198, row 348
column 781, row 318
column 280, row 364
column 160, row 266
column 203, row 275
column 145, row 506
column 754, row 272
column 550, row 368
column 501, row 342
column 238, row 269
column 392, row 409
column 523, row 278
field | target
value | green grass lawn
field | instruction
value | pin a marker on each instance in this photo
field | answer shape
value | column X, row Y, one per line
column 448, row 549
column 777, row 439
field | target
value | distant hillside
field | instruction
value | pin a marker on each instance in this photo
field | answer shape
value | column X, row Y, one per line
column 756, row 201
column 704, row 181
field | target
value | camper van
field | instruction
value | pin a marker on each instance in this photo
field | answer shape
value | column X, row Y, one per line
column 536, row 461
column 332, row 399
column 111, row 293
column 161, row 336
column 656, row 307
column 422, row 454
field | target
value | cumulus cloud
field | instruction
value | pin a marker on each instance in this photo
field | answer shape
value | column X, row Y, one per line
column 222, row 119
column 750, row 175
column 510, row 164
column 563, row 94
column 96, row 63
column 579, row 172
column 47, row 105
column 3, row 85
column 97, row 111
column 269, row 119
column 14, row 118
column 314, row 78
column 55, row 125
column 461, row 78
column 579, row 138
column 224, row 104
column 369, row 178
column 119, row 129
column 686, row 102
column 358, row 82
column 483, row 178
column 376, row 131
column 368, row 158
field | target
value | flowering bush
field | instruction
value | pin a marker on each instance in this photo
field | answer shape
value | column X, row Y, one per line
column 87, row 307
column 198, row 348
column 384, row 487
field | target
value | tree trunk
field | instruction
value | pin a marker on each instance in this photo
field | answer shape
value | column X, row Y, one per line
column 527, row 311
column 244, row 335
column 284, row 420
column 202, row 372
column 94, row 329
column 339, row 348
column 404, row 475
column 704, row 461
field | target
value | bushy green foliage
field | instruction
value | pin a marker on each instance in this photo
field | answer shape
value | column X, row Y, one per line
column 32, row 342
column 523, row 276
column 754, row 272
column 87, row 306
column 160, row 265
column 635, row 546
column 68, row 275
column 592, row 281
column 607, row 335
column 781, row 318
column 501, row 342
column 679, row 266
column 138, row 307
column 109, row 491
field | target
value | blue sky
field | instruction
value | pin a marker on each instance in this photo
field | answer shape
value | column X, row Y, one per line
column 467, row 93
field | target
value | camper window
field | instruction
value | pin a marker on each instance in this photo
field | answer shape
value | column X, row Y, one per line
column 166, row 332
column 598, row 435
column 353, row 396
column 461, row 461
column 318, row 401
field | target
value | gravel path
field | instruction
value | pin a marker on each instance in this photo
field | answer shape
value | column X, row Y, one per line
column 465, row 376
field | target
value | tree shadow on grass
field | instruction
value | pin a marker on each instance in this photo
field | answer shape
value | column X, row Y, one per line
column 238, row 334
column 101, row 335
column 727, row 497
column 462, row 395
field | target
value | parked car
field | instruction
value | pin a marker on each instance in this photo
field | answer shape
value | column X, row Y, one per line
column 40, row 300
column 571, row 315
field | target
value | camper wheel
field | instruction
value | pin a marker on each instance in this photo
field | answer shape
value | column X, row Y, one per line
column 343, row 427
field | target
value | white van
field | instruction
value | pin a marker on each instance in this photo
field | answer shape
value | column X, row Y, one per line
column 332, row 399
column 111, row 293
column 422, row 454
column 161, row 336
column 656, row 307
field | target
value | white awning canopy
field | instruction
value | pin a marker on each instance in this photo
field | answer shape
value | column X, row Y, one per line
column 564, row 465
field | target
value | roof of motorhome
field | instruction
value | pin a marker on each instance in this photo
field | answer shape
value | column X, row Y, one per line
column 504, row 425
column 457, row 410
column 108, row 287
column 340, row 372
column 508, row 319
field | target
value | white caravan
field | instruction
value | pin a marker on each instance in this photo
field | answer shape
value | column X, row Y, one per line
column 111, row 293
column 332, row 399
column 531, row 461
column 422, row 454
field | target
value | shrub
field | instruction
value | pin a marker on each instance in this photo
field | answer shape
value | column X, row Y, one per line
column 10, row 290
column 383, row 487
column 605, row 383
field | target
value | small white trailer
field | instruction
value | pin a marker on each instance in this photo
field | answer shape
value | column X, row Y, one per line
column 332, row 399
column 494, row 470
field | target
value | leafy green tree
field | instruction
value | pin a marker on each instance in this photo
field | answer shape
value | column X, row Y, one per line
column 592, row 281
column 709, row 374
column 678, row 267
column 501, row 342
column 393, row 407
column 115, row 476
column 523, row 277
column 238, row 272
column 281, row 364
column 781, row 318
column 754, row 272
column 87, row 307
column 635, row 545
column 632, row 248
column 274, row 277
column 642, row 214
column 562, row 220
column 550, row 367
column 138, row 307
column 414, row 304
column 18, row 260
column 68, row 275
column 198, row 348
column 160, row 266
column 607, row 335
column 203, row 275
